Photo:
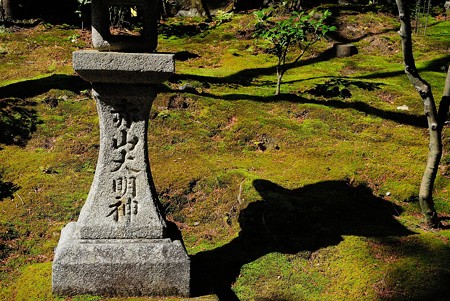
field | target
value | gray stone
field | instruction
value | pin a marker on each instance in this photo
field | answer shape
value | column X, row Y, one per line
column 193, row 12
column 345, row 50
column 122, row 201
column 119, row 267
column 102, row 38
column 120, row 245
column 447, row 5
column 123, row 68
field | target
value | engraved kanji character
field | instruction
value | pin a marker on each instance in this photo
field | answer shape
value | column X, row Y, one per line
column 121, row 118
column 123, row 140
column 118, row 210
column 120, row 160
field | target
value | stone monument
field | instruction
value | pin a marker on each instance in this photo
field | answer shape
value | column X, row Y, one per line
column 120, row 245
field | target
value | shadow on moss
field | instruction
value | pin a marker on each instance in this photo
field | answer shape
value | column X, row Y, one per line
column 7, row 189
column 399, row 117
column 420, row 269
column 291, row 221
column 17, row 120
column 339, row 87
column 33, row 87
column 181, row 30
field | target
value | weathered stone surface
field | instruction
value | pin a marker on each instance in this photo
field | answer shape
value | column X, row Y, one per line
column 119, row 267
column 123, row 68
column 120, row 245
column 102, row 38
column 122, row 201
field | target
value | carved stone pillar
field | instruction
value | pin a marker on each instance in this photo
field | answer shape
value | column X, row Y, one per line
column 120, row 245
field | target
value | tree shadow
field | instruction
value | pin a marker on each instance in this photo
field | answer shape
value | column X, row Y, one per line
column 399, row 117
column 181, row 30
column 340, row 38
column 289, row 221
column 339, row 87
column 185, row 55
column 355, row 9
column 245, row 77
column 7, row 189
column 437, row 65
column 53, row 11
column 420, row 272
column 17, row 120
column 33, row 87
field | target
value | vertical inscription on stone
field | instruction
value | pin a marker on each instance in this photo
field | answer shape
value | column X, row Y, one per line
column 124, row 205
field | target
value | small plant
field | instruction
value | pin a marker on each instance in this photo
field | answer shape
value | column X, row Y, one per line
column 3, row 50
column 339, row 87
column 222, row 16
column 299, row 29
column 73, row 38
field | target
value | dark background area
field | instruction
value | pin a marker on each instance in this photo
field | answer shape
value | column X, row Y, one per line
column 57, row 11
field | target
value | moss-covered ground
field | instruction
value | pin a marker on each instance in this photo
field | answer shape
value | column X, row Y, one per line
column 311, row 195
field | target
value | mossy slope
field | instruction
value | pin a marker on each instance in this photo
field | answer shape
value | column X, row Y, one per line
column 307, row 196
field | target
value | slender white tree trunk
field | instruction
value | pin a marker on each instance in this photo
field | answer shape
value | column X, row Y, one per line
column 278, row 88
column 6, row 9
column 435, row 118
column 7, row 4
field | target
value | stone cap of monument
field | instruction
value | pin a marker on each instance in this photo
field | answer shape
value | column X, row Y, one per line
column 103, row 39
column 123, row 68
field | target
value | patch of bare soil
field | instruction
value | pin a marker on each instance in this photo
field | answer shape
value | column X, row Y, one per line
column 379, row 45
column 386, row 96
column 374, row 34
column 354, row 29
column 85, row 37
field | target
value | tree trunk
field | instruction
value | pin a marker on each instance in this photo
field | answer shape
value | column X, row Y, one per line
column 201, row 7
column 7, row 9
column 429, row 175
column 279, row 77
column 206, row 9
column 435, row 123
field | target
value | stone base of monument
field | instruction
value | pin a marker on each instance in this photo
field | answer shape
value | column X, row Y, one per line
column 120, row 267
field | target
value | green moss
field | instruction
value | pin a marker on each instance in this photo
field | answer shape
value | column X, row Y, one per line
column 438, row 32
column 420, row 269
column 34, row 283
column 402, row 191
column 350, row 269
column 205, row 157
column 279, row 277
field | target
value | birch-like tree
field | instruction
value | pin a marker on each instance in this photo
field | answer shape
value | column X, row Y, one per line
column 436, row 117
column 6, row 9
